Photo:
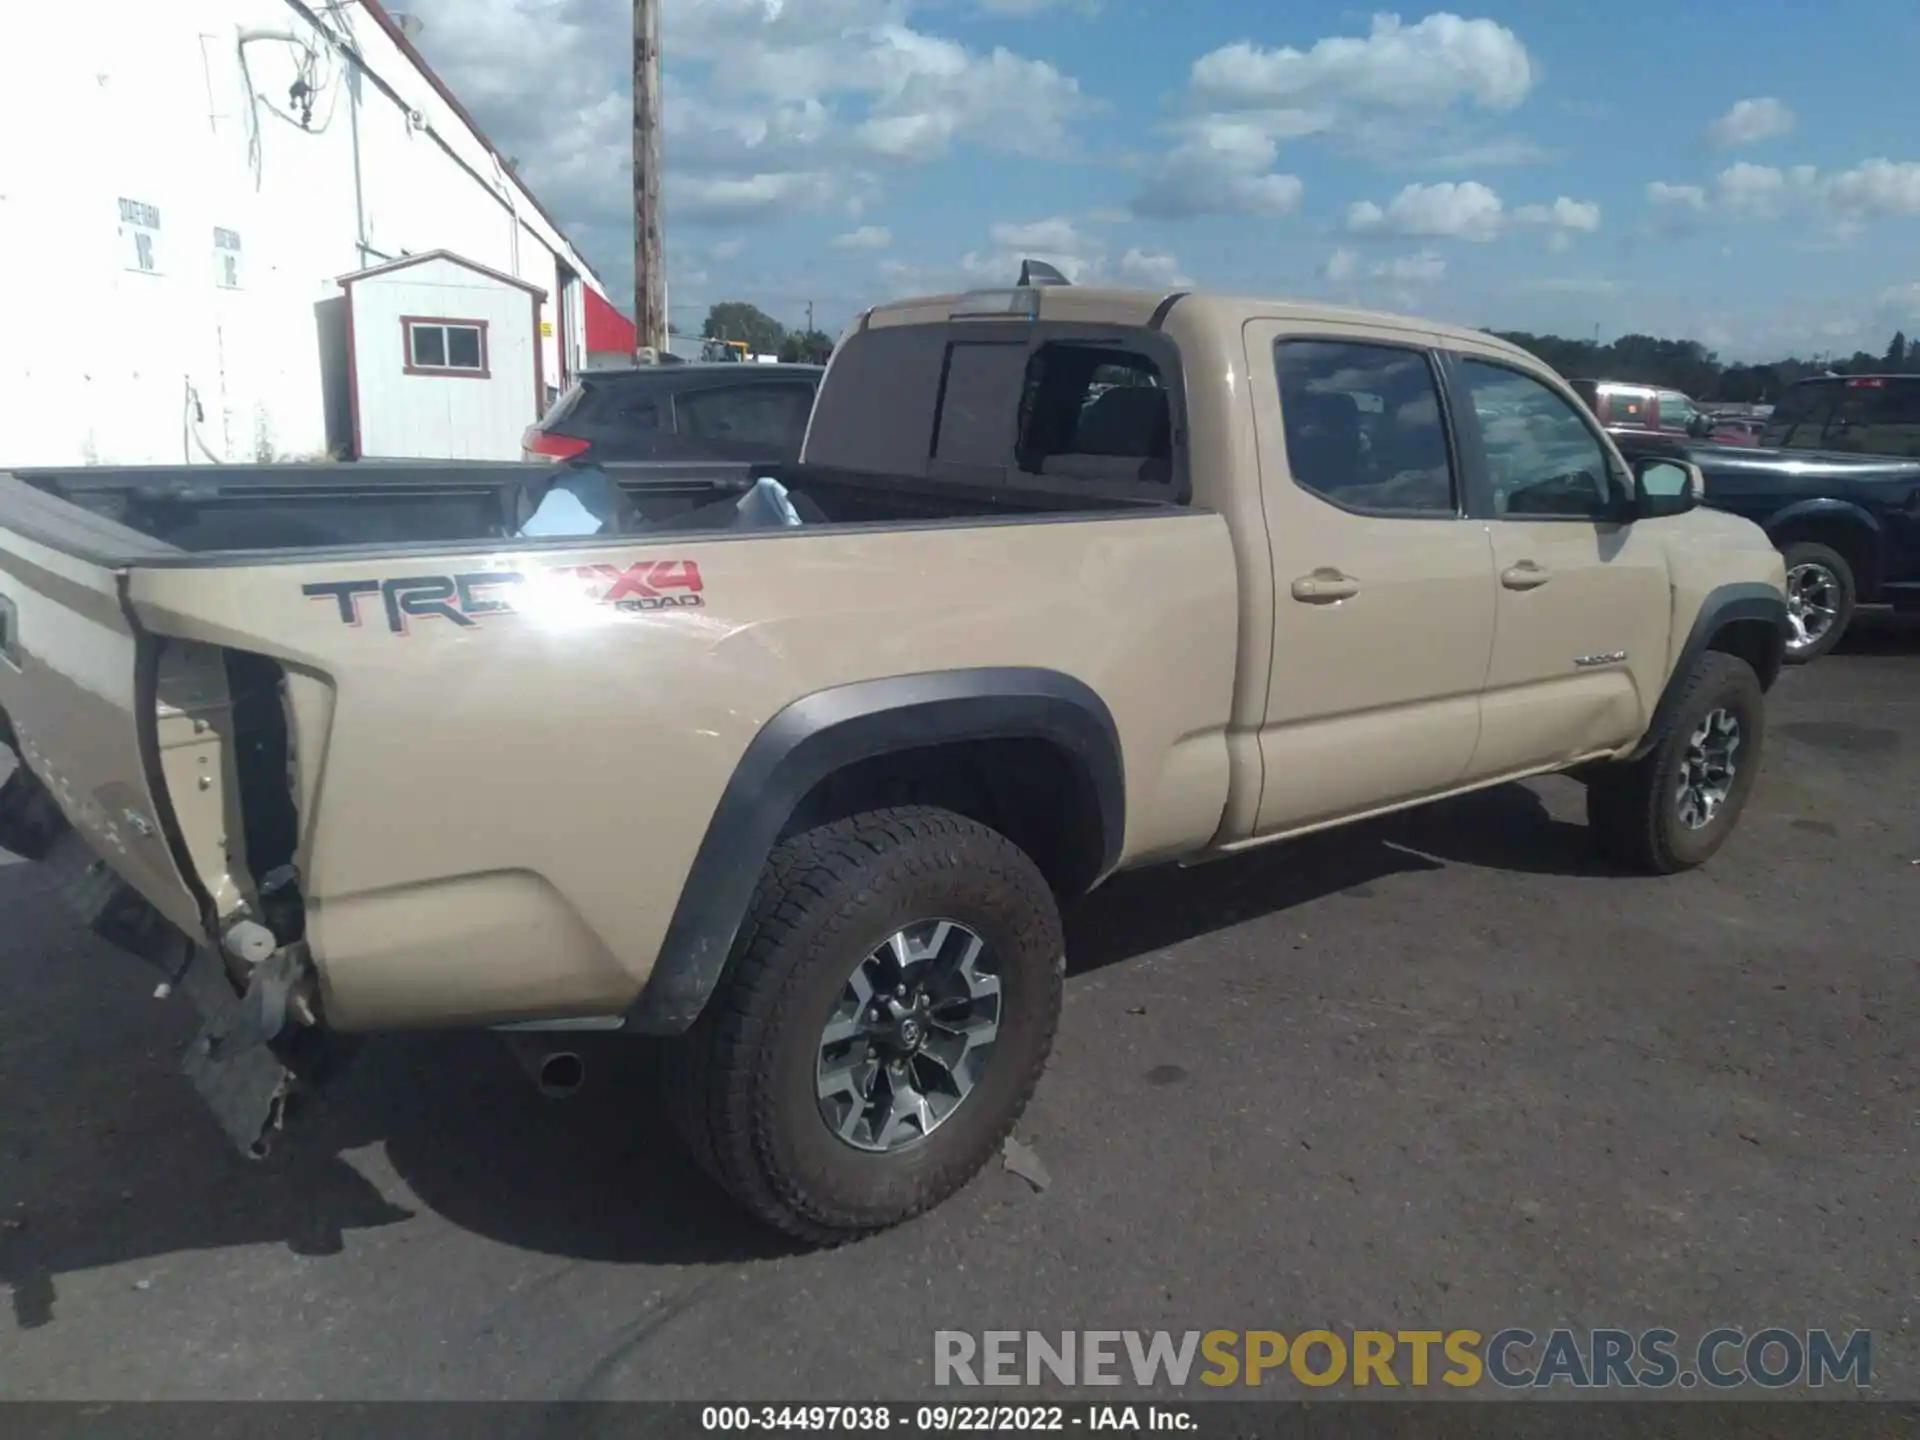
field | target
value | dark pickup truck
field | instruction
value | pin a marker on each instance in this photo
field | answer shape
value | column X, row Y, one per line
column 1848, row 525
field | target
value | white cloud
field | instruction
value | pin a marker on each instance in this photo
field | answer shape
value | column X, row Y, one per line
column 1080, row 253
column 1686, row 197
column 1840, row 202
column 867, row 237
column 1422, row 268
column 1749, row 122
column 1225, row 166
column 1426, row 66
column 1464, row 211
column 1471, row 211
column 1153, row 269
column 1244, row 102
column 772, row 107
column 1057, row 241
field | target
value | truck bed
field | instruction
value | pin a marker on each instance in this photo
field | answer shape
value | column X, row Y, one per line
column 470, row 771
column 183, row 515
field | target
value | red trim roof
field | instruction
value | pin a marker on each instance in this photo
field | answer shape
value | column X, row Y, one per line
column 608, row 331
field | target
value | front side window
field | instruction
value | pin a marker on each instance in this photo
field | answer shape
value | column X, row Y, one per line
column 445, row 347
column 1363, row 427
column 1677, row 412
column 1543, row 461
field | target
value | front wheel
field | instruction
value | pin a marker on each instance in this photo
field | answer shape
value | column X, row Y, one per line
column 1821, row 593
column 882, row 1026
column 1675, row 806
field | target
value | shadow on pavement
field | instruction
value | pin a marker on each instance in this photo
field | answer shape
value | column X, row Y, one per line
column 1881, row 632
column 107, row 1158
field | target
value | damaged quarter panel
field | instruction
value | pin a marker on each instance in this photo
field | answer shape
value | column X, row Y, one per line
column 504, row 763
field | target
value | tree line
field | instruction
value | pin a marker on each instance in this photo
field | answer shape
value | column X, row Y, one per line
column 764, row 335
column 1684, row 365
column 1688, row 366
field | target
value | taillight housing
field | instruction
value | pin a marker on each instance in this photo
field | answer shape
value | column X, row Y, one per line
column 538, row 444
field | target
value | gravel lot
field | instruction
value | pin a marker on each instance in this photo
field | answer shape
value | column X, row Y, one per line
column 1447, row 1070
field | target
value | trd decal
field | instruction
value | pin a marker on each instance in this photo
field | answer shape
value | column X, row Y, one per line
column 464, row 600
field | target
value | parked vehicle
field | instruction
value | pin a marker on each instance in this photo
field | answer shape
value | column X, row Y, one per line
column 1848, row 414
column 720, row 411
column 797, row 765
column 1637, row 408
column 1847, row 525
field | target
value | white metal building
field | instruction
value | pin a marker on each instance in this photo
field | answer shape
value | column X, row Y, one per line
column 444, row 360
column 182, row 186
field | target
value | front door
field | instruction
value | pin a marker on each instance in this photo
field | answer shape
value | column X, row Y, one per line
column 1583, row 598
column 1383, row 588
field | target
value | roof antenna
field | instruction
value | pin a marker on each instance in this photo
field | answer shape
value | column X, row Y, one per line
column 1038, row 272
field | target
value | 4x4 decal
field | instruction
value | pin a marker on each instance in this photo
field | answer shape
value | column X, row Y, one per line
column 466, row 599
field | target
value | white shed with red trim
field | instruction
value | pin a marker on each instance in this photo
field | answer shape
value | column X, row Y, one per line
column 443, row 359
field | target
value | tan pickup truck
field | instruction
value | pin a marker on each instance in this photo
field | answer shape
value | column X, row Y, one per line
column 797, row 765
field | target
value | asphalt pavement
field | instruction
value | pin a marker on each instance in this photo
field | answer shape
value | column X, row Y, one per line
column 1447, row 1070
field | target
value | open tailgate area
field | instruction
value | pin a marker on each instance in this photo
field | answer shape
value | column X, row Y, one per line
column 79, row 699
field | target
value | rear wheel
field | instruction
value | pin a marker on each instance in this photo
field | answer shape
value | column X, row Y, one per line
column 881, row 1027
column 1675, row 806
column 1821, row 593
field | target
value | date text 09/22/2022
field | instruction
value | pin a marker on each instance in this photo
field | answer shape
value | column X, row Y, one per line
column 943, row 1419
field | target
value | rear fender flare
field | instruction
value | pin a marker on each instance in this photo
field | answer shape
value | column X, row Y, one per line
column 824, row 733
column 1724, row 606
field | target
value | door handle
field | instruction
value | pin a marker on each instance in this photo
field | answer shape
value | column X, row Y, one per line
column 1525, row 576
column 1325, row 586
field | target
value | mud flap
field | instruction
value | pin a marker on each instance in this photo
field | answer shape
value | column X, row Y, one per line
column 232, row 1063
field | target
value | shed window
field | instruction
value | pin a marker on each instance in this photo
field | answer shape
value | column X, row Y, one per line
column 445, row 347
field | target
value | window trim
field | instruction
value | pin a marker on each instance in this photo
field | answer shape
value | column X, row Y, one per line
column 1474, row 446
column 409, row 323
column 1449, row 426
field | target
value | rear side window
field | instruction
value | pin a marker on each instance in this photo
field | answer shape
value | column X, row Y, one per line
column 979, row 398
column 1875, row 416
column 1626, row 407
column 765, row 414
column 1095, row 412
column 629, row 406
column 1800, row 415
column 875, row 412
column 1363, row 427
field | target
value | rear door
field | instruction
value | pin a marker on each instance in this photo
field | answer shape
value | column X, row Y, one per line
column 80, row 691
column 1383, row 588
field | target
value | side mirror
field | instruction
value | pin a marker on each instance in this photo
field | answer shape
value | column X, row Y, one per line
column 1700, row 427
column 1666, row 487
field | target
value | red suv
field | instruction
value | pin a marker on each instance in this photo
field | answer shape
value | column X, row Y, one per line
column 1646, row 407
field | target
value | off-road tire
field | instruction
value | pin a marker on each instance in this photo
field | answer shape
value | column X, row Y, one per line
column 740, row 1084
column 1807, row 552
column 1633, row 808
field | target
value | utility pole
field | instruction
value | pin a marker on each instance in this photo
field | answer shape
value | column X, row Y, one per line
column 649, row 278
column 809, row 317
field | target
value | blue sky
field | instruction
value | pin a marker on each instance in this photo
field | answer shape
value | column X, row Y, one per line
column 1744, row 175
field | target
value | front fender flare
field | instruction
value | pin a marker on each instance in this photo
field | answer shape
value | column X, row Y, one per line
column 1725, row 605
column 823, row 733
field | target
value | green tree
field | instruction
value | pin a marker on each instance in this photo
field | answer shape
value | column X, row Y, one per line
column 807, row 347
column 737, row 320
column 1896, row 358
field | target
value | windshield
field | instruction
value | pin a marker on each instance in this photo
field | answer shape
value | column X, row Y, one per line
column 1801, row 414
